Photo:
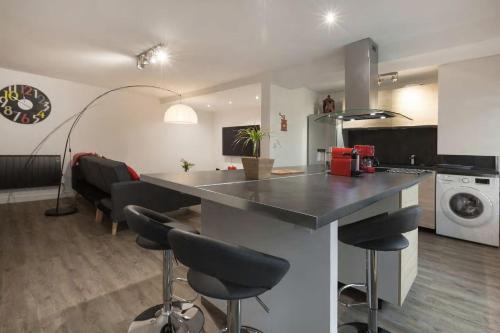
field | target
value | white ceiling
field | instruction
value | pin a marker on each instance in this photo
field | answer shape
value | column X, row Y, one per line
column 212, row 42
column 237, row 99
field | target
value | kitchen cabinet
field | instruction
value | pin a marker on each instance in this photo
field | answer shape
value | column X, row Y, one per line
column 427, row 201
column 469, row 107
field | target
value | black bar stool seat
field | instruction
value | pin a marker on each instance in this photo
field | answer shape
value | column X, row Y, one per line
column 387, row 244
column 160, row 243
column 379, row 233
column 228, row 272
column 213, row 287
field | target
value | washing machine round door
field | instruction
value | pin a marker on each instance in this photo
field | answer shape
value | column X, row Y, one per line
column 467, row 206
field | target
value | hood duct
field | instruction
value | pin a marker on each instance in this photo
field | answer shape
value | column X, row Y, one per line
column 361, row 84
column 361, row 75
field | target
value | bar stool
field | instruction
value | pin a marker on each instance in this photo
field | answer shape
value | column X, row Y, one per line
column 175, row 315
column 378, row 233
column 227, row 272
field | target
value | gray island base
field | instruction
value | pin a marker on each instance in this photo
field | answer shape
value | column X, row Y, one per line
column 297, row 218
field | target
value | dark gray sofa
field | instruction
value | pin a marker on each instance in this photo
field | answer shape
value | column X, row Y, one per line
column 108, row 185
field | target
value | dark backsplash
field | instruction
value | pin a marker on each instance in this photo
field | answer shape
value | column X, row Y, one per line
column 395, row 145
column 481, row 162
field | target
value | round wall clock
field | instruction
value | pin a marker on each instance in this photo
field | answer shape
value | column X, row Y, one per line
column 24, row 104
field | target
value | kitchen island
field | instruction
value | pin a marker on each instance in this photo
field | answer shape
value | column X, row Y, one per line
column 296, row 217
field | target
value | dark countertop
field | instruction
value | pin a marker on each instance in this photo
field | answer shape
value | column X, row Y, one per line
column 409, row 166
column 312, row 199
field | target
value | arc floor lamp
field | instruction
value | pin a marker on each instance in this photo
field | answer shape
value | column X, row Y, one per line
column 175, row 114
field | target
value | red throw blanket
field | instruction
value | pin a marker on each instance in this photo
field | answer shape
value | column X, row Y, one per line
column 77, row 156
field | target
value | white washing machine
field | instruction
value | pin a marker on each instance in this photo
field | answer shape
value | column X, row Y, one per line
column 467, row 207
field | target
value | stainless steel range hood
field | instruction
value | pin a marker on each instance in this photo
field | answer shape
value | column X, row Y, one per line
column 361, row 85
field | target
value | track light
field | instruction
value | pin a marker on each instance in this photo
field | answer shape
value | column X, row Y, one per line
column 393, row 76
column 156, row 54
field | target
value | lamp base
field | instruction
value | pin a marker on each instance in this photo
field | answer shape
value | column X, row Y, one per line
column 61, row 211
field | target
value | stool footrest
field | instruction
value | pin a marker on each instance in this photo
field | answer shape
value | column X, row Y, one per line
column 348, row 286
column 180, row 299
column 262, row 304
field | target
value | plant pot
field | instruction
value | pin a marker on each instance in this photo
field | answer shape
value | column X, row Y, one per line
column 257, row 168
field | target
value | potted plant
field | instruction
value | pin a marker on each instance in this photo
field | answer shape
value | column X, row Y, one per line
column 186, row 165
column 255, row 167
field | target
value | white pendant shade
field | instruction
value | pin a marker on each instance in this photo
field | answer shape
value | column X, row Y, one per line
column 180, row 114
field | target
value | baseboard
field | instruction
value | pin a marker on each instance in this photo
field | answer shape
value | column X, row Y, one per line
column 30, row 194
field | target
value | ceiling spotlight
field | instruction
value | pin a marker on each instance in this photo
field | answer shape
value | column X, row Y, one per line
column 153, row 55
column 208, row 105
column 330, row 18
column 162, row 54
column 230, row 102
column 257, row 97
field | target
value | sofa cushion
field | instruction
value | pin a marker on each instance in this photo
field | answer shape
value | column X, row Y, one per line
column 102, row 172
column 106, row 205
column 90, row 173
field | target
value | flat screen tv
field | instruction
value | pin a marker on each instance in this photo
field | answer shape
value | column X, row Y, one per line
column 228, row 136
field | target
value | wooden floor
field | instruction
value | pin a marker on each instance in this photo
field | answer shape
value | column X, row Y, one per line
column 68, row 274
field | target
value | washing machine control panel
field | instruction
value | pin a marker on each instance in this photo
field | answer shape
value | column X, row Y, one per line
column 466, row 180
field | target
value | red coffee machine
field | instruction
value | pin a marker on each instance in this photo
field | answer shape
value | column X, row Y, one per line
column 366, row 158
column 345, row 162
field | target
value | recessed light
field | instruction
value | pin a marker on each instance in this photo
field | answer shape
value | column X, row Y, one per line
column 162, row 55
column 230, row 102
column 330, row 18
column 208, row 105
column 257, row 97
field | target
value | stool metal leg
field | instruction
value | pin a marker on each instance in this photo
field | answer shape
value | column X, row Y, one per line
column 165, row 317
column 234, row 319
column 168, row 273
column 371, row 294
column 372, row 300
column 234, row 316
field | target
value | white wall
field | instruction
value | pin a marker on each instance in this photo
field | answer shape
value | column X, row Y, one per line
column 125, row 126
column 290, row 148
column 469, row 107
column 228, row 118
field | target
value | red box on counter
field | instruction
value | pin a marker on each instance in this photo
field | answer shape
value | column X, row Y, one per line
column 345, row 162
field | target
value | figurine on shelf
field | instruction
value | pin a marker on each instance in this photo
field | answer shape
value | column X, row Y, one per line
column 328, row 105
